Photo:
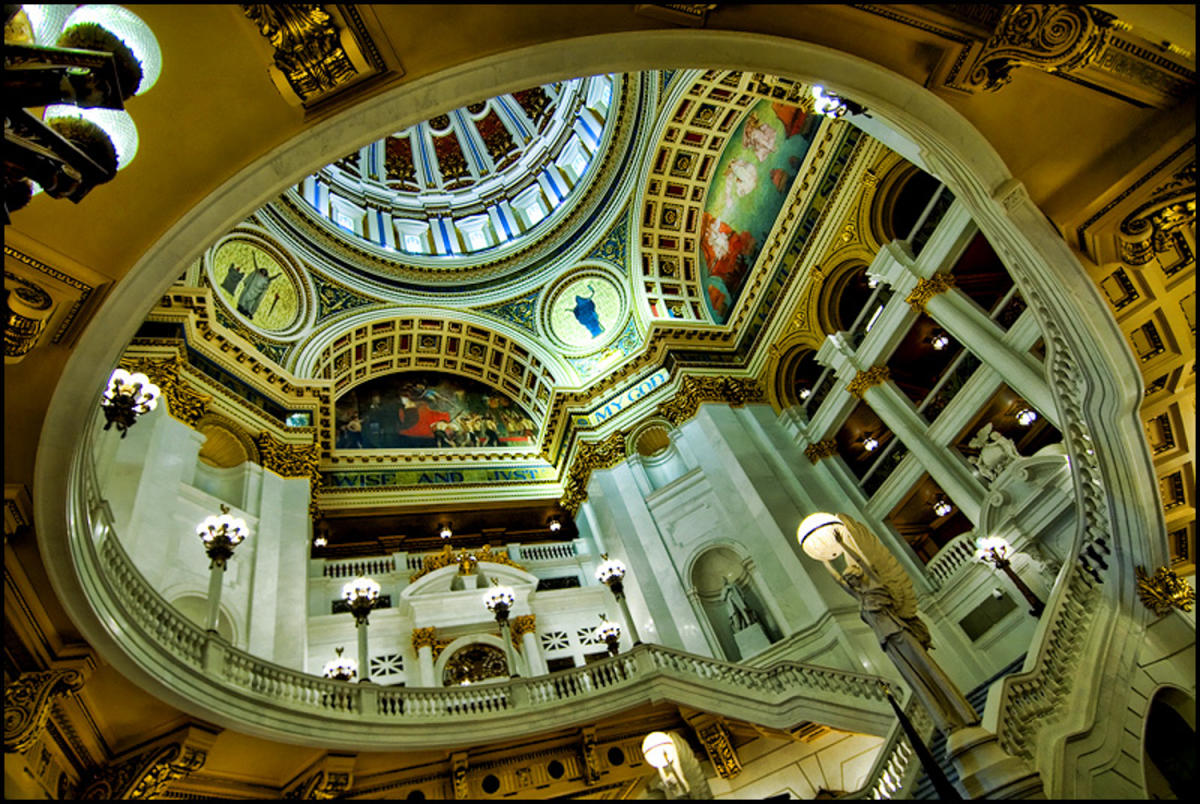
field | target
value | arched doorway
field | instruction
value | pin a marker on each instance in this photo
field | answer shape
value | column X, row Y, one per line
column 1169, row 745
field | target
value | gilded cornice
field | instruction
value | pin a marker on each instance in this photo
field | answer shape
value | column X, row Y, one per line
column 821, row 449
column 719, row 747
column 927, row 288
column 865, row 380
column 590, row 455
column 292, row 460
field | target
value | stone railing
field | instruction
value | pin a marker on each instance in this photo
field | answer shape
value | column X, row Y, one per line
column 959, row 552
column 203, row 674
column 547, row 552
column 357, row 567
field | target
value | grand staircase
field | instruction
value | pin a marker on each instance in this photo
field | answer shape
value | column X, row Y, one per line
column 937, row 745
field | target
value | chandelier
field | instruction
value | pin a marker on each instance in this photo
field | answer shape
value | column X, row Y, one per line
column 126, row 397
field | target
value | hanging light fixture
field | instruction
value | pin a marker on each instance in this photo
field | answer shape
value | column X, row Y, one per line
column 942, row 506
column 870, row 443
column 1026, row 416
column 555, row 524
column 444, row 530
column 939, row 340
column 340, row 668
column 818, row 536
column 126, row 397
column 804, row 393
column 833, row 105
column 872, row 281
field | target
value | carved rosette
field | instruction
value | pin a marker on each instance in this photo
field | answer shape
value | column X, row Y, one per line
column 865, row 380
column 27, row 704
column 821, row 449
column 1164, row 591
column 1051, row 37
column 184, row 402
column 715, row 738
column 926, row 289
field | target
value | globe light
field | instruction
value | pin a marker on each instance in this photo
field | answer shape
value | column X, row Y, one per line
column 609, row 571
column 942, row 506
column 872, row 281
column 817, row 536
column 320, row 541
column 804, row 393
column 360, row 589
column 555, row 524
column 130, row 29
column 870, row 443
column 444, row 530
column 499, row 596
column 659, row 749
column 940, row 341
column 1026, row 416
column 116, row 123
column 47, row 21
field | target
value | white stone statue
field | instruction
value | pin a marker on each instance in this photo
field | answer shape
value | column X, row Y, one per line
column 741, row 616
column 996, row 452
column 888, row 603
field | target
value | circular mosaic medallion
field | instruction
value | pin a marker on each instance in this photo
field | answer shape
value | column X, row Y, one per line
column 251, row 282
column 586, row 311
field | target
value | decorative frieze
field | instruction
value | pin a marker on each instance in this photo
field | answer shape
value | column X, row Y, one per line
column 865, row 380
column 926, row 289
column 821, row 449
column 27, row 705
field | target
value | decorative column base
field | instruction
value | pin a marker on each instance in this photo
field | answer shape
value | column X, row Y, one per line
column 987, row 771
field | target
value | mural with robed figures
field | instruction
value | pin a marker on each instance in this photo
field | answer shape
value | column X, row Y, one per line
column 757, row 168
column 430, row 409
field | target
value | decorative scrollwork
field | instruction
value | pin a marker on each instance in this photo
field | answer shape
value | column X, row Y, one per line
column 866, row 380
column 27, row 704
column 715, row 738
column 1050, row 37
column 466, row 560
column 145, row 775
column 926, row 289
column 1164, row 591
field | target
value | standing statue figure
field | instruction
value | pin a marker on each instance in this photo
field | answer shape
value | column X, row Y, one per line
column 888, row 603
column 741, row 615
column 585, row 312
column 996, row 452
column 253, row 289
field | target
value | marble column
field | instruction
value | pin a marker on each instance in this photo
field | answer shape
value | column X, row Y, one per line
column 524, row 627
column 936, row 295
column 422, row 640
column 950, row 472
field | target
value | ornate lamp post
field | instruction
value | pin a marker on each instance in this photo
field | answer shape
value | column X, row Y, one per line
column 610, row 632
column 995, row 550
column 126, row 397
column 610, row 573
column 220, row 534
column 361, row 594
column 340, row 669
column 660, row 753
column 499, row 600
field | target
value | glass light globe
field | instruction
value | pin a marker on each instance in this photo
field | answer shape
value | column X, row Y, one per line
column 47, row 21
column 984, row 546
column 804, row 393
column 659, row 749
column 498, row 596
column 1026, row 417
column 940, row 342
column 942, row 506
column 816, row 536
column 130, row 29
column 870, row 443
column 117, row 124
column 360, row 587
column 445, row 532
column 610, row 570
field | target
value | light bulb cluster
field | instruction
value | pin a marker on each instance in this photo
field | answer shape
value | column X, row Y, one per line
column 993, row 549
column 609, row 571
column 340, row 668
column 1026, row 416
column 360, row 589
column 870, row 443
column 499, row 597
column 126, row 397
column 942, row 506
column 220, row 534
column 832, row 105
column 51, row 24
column 939, row 341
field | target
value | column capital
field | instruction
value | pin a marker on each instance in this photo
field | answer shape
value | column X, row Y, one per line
column 927, row 288
column 821, row 449
column 523, row 625
column 423, row 637
column 865, row 380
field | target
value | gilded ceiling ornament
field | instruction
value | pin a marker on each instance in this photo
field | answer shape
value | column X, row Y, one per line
column 321, row 786
column 1158, row 227
column 145, row 775
column 29, row 307
column 1164, row 591
column 927, row 288
column 1048, row 36
column 716, row 741
column 821, row 449
column 27, row 704
column 438, row 646
column 865, row 380
column 184, row 402
column 289, row 460
column 308, row 51
column 464, row 558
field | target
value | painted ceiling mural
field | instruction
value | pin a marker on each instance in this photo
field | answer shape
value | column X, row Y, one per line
column 751, row 181
column 430, row 409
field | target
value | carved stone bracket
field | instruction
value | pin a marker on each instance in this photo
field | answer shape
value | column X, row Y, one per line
column 591, row 455
column 926, row 289
column 866, row 380
column 1164, row 591
column 587, row 751
column 148, row 773
column 330, row 779
column 1157, row 226
column 27, row 705
column 458, row 775
column 715, row 738
column 29, row 307
column 821, row 449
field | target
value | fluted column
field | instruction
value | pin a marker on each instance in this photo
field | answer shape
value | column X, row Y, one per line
column 953, row 310
column 874, row 387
